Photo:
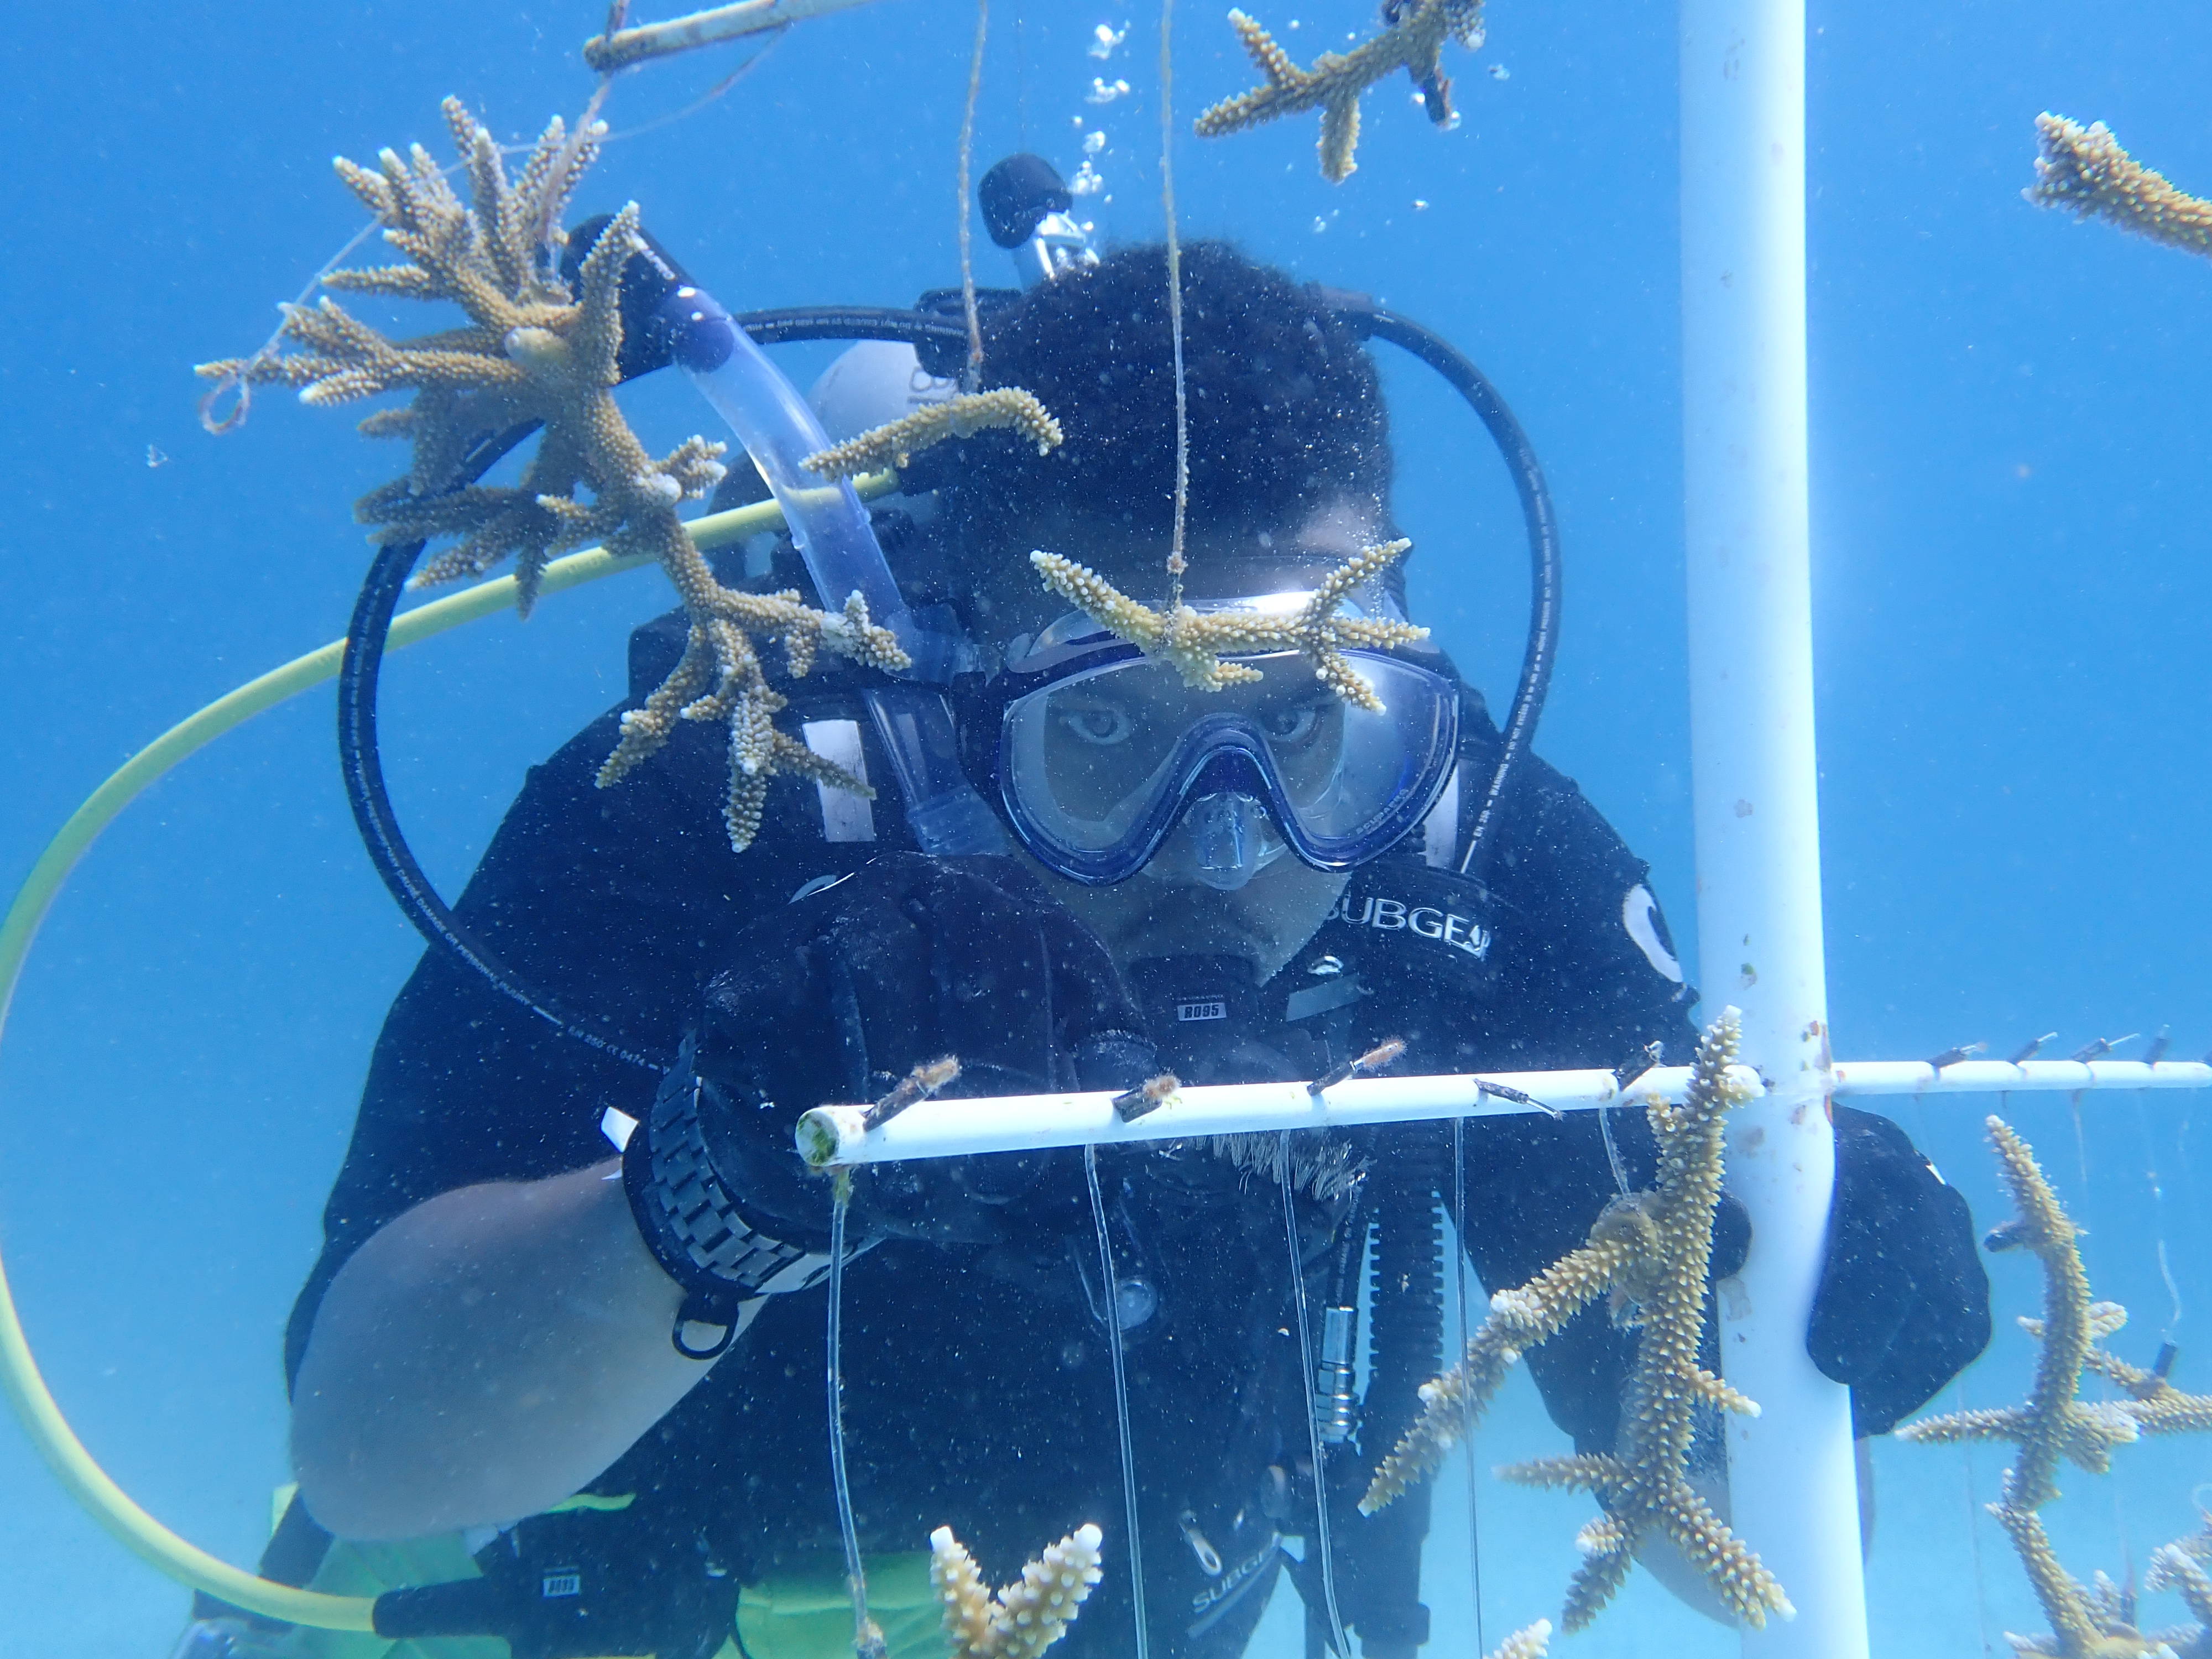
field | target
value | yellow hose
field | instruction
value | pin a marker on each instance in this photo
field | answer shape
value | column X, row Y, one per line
column 42, row 1419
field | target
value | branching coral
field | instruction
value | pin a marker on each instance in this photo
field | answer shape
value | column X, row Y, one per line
column 2179, row 1567
column 2085, row 170
column 1027, row 1617
column 1196, row 641
column 1649, row 1254
column 1414, row 38
column 2055, row 1424
column 1533, row 1642
column 532, row 350
column 893, row 444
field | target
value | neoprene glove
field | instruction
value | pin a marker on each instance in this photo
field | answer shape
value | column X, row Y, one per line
column 1904, row 1302
column 835, row 997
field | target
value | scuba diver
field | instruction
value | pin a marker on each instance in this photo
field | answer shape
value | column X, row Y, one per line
column 574, row 1316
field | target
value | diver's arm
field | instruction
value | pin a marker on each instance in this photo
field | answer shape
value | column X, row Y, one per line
column 483, row 1355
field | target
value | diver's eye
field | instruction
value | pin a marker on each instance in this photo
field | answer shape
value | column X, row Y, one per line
column 1290, row 726
column 1101, row 724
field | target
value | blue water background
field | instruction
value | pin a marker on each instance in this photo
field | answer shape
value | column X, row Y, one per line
column 2010, row 519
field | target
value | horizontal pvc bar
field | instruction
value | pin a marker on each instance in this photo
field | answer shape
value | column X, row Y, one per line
column 949, row 1129
column 1999, row 1077
column 833, row 1135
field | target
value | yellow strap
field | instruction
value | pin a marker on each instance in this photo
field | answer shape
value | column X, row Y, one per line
column 594, row 1503
column 805, row 1612
column 27, row 1391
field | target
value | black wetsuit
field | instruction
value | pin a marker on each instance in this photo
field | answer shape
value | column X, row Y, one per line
column 977, row 1386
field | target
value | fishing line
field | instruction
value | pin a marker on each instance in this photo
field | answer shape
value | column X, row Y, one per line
column 1320, row 1542
column 1466, row 1425
column 867, row 1639
column 774, row 37
column 1113, row 1295
column 1612, row 1148
column 1974, row 1513
column 2158, row 1216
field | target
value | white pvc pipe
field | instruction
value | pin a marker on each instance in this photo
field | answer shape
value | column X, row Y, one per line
column 1753, row 779
column 949, row 1129
column 1997, row 1077
column 831, row 1135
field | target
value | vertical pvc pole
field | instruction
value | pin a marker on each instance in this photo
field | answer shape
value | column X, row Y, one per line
column 1790, row 1469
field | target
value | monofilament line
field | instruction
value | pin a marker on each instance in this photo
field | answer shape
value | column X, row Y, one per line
column 972, row 378
column 1112, row 1299
column 1319, row 1544
column 867, row 1639
column 1177, row 563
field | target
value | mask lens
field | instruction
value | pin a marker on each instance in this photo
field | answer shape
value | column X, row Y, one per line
column 1097, row 767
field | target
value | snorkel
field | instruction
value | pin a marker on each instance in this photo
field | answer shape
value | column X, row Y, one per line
column 831, row 530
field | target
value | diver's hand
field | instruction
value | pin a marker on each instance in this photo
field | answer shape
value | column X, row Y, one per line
column 1903, row 1303
column 837, row 996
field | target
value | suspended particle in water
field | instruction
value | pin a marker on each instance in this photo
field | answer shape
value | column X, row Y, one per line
column 1499, row 72
column 1094, row 141
column 1319, row 224
column 1103, row 39
column 1420, row 204
column 155, row 456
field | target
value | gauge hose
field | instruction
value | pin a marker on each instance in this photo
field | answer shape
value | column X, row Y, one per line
column 19, row 1378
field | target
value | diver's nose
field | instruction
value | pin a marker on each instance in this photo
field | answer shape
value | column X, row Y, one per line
column 1229, row 839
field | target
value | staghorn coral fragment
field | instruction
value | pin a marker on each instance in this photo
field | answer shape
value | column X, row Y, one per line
column 1195, row 642
column 1414, row 37
column 2056, row 1425
column 1649, row 1253
column 1026, row 1618
column 2179, row 1567
column 894, row 443
column 2085, row 170
column 1532, row 1642
column 532, row 351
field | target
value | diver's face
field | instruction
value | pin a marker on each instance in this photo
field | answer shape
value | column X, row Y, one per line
column 1178, row 905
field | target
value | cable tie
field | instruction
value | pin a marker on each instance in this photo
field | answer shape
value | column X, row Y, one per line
column 925, row 1081
column 1381, row 1054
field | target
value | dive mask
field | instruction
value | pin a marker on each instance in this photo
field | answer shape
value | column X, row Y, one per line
column 1099, row 752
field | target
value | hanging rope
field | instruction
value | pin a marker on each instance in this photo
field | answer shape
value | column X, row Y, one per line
column 1177, row 563
column 973, row 377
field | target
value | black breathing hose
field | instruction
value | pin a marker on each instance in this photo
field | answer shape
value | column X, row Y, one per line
column 794, row 324
column 360, row 758
column 1542, row 649
column 361, row 763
